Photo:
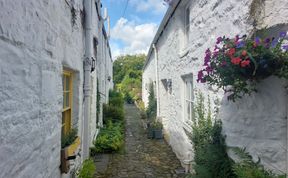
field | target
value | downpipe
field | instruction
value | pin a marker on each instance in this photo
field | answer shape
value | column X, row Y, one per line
column 87, row 69
column 157, row 80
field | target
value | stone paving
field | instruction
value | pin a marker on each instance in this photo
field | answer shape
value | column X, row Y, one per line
column 142, row 157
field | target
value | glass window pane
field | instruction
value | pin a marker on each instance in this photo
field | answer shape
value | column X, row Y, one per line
column 64, row 100
column 187, row 91
column 63, row 82
column 67, row 99
column 67, row 83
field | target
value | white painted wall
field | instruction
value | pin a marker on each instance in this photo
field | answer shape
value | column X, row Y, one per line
column 208, row 20
column 37, row 41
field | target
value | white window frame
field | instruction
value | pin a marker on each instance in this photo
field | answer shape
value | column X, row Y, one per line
column 188, row 99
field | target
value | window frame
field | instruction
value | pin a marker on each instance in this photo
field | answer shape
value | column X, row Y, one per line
column 67, row 110
column 188, row 98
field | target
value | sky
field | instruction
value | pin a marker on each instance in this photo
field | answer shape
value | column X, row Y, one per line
column 133, row 29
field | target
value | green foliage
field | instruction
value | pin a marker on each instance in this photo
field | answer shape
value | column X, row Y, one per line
column 98, row 100
column 87, row 170
column 114, row 111
column 127, row 75
column 152, row 103
column 110, row 138
column 211, row 159
column 247, row 168
column 68, row 139
column 116, row 99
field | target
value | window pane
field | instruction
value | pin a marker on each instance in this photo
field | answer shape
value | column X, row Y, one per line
column 63, row 82
column 64, row 100
column 188, row 110
column 67, row 99
column 187, row 91
column 67, row 83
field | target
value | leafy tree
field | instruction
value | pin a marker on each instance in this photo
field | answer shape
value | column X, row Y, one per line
column 127, row 75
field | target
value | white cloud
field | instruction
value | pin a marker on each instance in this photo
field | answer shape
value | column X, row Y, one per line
column 135, row 37
column 155, row 6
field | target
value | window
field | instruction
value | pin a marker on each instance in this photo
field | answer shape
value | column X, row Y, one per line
column 188, row 99
column 67, row 102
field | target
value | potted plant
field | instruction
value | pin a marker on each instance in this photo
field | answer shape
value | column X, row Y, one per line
column 157, row 130
column 69, row 144
column 150, row 133
column 236, row 65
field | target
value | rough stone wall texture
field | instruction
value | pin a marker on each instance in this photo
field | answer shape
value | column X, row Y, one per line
column 37, row 40
column 208, row 20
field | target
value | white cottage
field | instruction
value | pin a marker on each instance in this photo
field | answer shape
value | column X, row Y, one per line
column 51, row 55
column 257, row 122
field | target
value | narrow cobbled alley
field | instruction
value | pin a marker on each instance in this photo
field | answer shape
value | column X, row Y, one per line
column 142, row 157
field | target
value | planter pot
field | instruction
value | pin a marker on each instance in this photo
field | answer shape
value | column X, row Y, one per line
column 150, row 133
column 68, row 153
column 65, row 166
column 158, row 133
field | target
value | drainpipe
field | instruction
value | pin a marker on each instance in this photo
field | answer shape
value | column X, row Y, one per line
column 87, row 70
column 157, row 83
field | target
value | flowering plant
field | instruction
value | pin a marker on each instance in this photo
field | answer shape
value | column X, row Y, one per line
column 236, row 65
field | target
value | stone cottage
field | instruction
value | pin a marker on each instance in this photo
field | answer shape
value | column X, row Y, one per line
column 257, row 122
column 52, row 53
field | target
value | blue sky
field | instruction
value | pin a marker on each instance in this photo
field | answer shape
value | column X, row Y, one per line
column 133, row 31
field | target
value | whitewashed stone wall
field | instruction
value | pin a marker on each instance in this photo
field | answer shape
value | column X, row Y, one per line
column 38, row 40
column 244, row 126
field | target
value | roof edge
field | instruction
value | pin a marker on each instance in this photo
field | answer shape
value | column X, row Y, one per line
column 169, row 13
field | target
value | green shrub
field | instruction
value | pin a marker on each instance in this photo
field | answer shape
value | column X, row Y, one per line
column 110, row 139
column 211, row 159
column 112, row 113
column 87, row 170
column 152, row 103
column 116, row 99
column 247, row 168
column 68, row 139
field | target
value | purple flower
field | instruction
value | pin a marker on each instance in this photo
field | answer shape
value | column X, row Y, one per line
column 274, row 43
column 208, row 69
column 207, row 57
column 237, row 38
column 282, row 34
column 215, row 53
column 285, row 47
column 240, row 44
column 200, row 77
column 267, row 40
column 219, row 40
column 257, row 40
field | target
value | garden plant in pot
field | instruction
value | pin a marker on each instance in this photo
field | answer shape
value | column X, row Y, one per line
column 236, row 65
column 69, row 144
column 157, row 130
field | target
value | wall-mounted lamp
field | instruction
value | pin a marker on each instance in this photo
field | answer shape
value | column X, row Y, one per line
column 93, row 66
column 109, row 78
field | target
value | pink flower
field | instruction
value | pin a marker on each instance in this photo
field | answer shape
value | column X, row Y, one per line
column 245, row 63
column 236, row 60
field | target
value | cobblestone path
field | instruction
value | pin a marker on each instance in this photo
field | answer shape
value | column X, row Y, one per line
column 142, row 158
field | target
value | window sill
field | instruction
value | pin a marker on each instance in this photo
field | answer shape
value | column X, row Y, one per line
column 183, row 52
column 187, row 126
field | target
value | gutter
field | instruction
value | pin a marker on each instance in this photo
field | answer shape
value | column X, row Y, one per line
column 87, row 69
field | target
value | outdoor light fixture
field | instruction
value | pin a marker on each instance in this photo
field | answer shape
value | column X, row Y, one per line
column 93, row 66
column 109, row 78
